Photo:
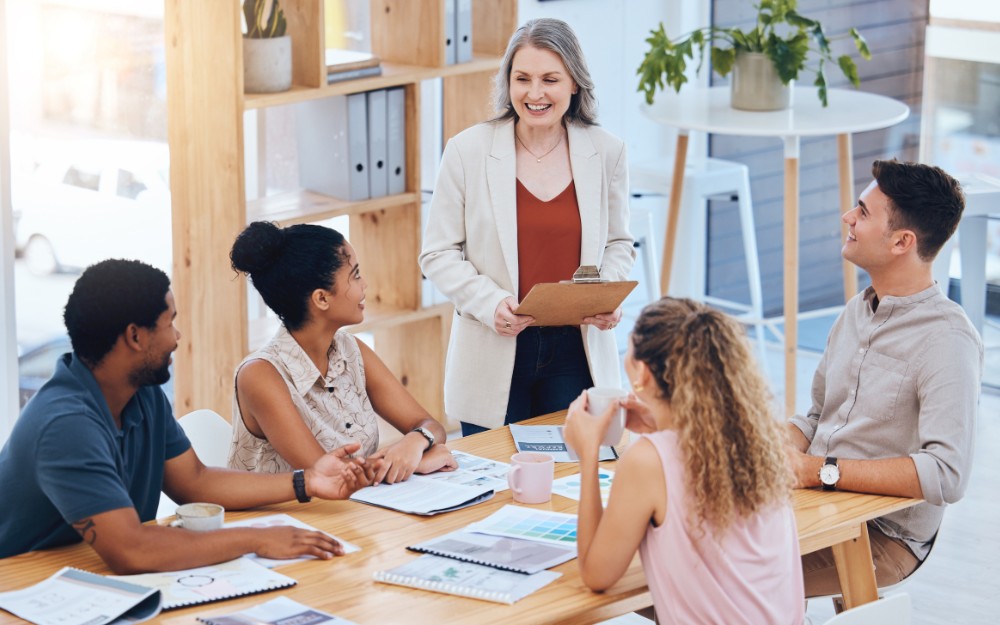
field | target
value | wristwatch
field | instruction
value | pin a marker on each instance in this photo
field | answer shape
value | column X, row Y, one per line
column 299, row 484
column 426, row 434
column 829, row 473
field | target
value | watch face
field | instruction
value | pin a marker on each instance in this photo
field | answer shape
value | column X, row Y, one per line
column 829, row 474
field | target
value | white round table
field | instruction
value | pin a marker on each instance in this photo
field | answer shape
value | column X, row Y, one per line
column 708, row 110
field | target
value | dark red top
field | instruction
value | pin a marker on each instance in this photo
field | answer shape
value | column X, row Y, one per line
column 548, row 238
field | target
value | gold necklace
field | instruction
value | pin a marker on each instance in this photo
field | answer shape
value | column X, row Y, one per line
column 538, row 159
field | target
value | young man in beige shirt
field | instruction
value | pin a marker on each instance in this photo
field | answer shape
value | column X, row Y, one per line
column 896, row 393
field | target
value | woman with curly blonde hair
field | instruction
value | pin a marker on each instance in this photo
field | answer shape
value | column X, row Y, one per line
column 703, row 495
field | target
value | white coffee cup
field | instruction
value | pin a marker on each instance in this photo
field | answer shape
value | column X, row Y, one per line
column 200, row 517
column 598, row 400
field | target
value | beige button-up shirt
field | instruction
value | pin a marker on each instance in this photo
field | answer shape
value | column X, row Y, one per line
column 334, row 404
column 901, row 380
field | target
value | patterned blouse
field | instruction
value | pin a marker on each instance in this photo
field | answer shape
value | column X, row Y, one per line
column 335, row 407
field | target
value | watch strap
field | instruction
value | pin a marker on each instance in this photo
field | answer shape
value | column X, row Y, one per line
column 830, row 461
column 426, row 434
column 299, row 484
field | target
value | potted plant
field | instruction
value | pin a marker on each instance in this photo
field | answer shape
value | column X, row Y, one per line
column 775, row 50
column 267, row 50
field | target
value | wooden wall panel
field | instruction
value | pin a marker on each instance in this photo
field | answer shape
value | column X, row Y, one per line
column 895, row 33
column 207, row 197
column 305, row 26
column 409, row 31
column 493, row 22
column 469, row 101
column 415, row 354
column 387, row 243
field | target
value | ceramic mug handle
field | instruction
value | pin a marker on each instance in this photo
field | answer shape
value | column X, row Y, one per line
column 511, row 481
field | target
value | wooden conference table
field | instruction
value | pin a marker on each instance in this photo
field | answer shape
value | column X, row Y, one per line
column 708, row 110
column 344, row 586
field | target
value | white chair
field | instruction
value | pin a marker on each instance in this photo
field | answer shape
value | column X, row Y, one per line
column 210, row 436
column 641, row 226
column 884, row 591
column 982, row 199
column 893, row 610
column 702, row 179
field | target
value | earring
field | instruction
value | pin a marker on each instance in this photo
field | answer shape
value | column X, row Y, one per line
column 637, row 387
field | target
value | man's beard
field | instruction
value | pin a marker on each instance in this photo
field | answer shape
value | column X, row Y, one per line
column 148, row 374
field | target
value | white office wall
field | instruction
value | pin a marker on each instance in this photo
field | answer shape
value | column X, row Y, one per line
column 971, row 10
column 8, row 328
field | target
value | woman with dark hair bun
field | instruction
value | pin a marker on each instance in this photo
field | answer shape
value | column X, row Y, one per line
column 314, row 387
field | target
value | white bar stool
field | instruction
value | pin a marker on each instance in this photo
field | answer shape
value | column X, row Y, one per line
column 644, row 233
column 982, row 199
column 703, row 179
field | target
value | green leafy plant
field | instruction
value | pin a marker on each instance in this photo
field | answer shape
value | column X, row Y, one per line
column 665, row 61
column 265, row 19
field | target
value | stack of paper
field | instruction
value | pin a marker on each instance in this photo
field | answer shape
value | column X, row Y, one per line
column 473, row 482
column 501, row 558
column 549, row 439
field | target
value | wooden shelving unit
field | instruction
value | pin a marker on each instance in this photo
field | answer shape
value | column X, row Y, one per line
column 206, row 107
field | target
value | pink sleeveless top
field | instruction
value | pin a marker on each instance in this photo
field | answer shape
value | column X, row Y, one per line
column 752, row 575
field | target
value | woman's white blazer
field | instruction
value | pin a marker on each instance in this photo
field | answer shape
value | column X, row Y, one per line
column 470, row 253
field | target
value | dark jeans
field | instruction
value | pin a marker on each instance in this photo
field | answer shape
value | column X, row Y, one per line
column 550, row 371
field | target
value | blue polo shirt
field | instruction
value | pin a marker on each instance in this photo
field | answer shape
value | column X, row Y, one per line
column 67, row 460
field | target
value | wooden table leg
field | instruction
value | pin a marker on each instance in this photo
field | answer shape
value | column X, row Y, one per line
column 856, row 570
column 791, row 268
column 847, row 201
column 673, row 210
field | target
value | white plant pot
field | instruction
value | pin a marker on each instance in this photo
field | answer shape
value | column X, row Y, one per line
column 267, row 64
column 756, row 85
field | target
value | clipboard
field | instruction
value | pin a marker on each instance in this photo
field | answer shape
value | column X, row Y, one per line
column 567, row 303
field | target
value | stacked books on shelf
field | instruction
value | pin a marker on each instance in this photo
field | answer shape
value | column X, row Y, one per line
column 353, row 147
column 348, row 64
column 501, row 558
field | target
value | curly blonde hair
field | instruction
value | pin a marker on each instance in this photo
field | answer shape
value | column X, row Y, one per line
column 721, row 407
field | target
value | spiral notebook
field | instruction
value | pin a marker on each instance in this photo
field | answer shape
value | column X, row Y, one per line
column 227, row 580
column 465, row 579
column 501, row 552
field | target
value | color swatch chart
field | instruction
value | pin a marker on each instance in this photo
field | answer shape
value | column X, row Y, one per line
column 529, row 524
column 569, row 486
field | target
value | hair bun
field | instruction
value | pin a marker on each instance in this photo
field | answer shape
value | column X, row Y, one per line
column 257, row 247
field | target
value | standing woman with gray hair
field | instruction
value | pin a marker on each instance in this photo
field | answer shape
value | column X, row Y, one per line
column 522, row 199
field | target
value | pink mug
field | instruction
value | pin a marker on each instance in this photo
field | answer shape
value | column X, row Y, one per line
column 530, row 476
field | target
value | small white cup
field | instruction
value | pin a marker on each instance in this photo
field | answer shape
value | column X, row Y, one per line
column 598, row 400
column 200, row 517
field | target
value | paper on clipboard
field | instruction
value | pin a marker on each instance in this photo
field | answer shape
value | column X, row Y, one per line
column 567, row 303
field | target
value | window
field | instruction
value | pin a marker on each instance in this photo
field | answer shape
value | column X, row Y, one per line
column 77, row 177
column 87, row 96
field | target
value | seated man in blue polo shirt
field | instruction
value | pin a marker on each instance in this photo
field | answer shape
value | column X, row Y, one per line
column 91, row 451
